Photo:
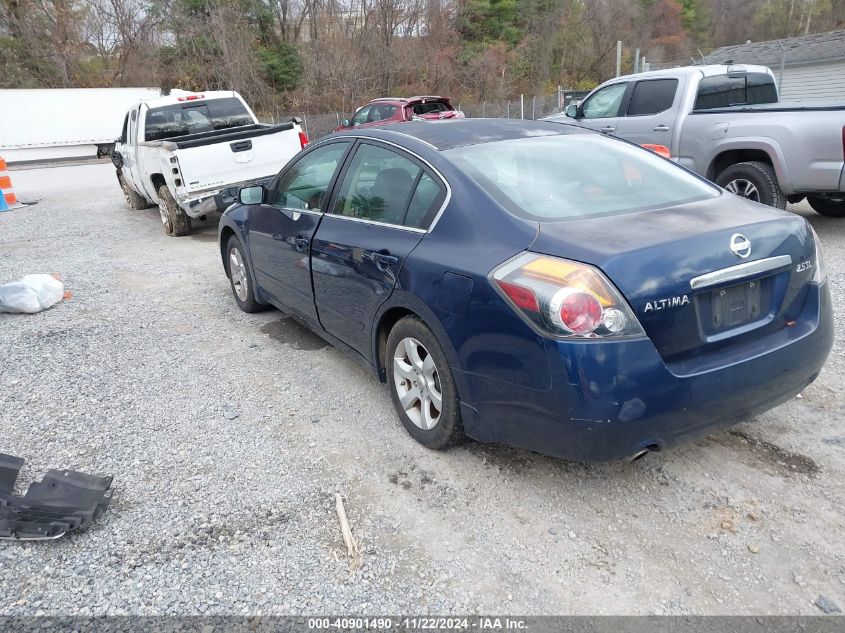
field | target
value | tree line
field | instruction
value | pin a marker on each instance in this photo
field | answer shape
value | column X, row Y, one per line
column 333, row 54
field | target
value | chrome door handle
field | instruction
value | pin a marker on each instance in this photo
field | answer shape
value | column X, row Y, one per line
column 380, row 257
column 608, row 129
column 660, row 128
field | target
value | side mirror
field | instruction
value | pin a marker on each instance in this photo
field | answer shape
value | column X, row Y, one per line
column 251, row 195
column 572, row 111
column 346, row 123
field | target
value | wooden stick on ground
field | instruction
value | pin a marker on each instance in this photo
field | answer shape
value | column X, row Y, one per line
column 351, row 547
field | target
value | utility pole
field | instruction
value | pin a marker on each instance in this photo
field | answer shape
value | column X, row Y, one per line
column 618, row 58
column 636, row 61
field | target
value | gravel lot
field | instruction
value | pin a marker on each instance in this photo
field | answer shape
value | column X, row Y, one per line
column 141, row 376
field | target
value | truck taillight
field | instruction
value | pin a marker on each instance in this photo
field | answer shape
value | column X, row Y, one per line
column 303, row 139
column 563, row 298
column 190, row 98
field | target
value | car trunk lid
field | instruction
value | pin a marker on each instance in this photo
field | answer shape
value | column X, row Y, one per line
column 676, row 268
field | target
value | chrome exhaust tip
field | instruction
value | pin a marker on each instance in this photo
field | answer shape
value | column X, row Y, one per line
column 639, row 455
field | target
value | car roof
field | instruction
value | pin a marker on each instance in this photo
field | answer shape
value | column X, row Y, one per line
column 448, row 134
column 407, row 99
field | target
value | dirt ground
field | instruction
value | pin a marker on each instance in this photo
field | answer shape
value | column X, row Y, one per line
column 228, row 435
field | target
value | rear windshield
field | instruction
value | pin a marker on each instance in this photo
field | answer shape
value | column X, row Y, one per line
column 431, row 107
column 192, row 117
column 722, row 91
column 576, row 176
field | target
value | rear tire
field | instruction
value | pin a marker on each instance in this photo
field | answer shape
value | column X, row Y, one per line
column 240, row 277
column 134, row 201
column 754, row 180
column 421, row 385
column 176, row 222
column 833, row 207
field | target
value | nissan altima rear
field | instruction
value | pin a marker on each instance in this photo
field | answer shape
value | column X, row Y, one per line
column 665, row 305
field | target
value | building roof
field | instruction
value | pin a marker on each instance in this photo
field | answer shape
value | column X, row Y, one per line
column 820, row 48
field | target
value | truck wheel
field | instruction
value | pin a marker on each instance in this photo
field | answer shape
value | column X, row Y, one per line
column 832, row 207
column 754, row 180
column 176, row 223
column 134, row 201
column 237, row 268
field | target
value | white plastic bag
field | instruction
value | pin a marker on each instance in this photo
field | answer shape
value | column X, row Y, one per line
column 31, row 294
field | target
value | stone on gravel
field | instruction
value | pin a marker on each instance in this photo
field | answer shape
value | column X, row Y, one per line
column 827, row 605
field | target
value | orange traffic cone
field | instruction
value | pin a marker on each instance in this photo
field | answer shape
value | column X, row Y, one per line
column 7, row 194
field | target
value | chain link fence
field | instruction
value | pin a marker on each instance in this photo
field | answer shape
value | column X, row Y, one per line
column 317, row 125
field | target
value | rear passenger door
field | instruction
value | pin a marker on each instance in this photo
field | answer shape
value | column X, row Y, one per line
column 385, row 201
column 651, row 112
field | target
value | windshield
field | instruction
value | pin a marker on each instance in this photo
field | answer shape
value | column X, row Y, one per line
column 192, row 117
column 577, row 175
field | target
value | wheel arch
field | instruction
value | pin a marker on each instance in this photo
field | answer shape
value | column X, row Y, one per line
column 227, row 228
column 741, row 151
column 401, row 304
column 157, row 181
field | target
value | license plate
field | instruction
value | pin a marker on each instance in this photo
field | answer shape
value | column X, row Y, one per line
column 736, row 305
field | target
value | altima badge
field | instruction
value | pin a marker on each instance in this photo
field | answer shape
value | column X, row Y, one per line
column 668, row 302
column 740, row 245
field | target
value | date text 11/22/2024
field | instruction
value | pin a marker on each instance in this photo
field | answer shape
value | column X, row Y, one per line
column 420, row 623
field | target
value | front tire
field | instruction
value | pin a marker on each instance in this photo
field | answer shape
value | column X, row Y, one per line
column 134, row 201
column 832, row 207
column 175, row 220
column 754, row 180
column 240, row 278
column 421, row 385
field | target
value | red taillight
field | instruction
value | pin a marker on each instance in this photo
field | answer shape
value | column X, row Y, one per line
column 190, row 98
column 303, row 139
column 580, row 312
column 660, row 150
column 522, row 298
column 563, row 298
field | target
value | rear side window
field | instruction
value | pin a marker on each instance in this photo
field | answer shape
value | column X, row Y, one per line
column 193, row 117
column 653, row 96
column 722, row 91
column 384, row 186
column 574, row 176
column 425, row 203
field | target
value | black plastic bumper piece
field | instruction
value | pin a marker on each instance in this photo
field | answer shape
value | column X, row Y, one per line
column 63, row 502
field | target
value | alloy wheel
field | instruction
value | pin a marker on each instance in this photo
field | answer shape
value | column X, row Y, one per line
column 743, row 188
column 237, row 273
column 417, row 383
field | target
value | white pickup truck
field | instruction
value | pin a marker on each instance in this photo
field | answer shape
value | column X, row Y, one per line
column 726, row 123
column 189, row 153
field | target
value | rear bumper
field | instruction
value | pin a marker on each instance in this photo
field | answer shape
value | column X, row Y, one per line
column 610, row 400
column 200, row 203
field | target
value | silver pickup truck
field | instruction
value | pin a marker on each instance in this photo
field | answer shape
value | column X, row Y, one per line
column 725, row 122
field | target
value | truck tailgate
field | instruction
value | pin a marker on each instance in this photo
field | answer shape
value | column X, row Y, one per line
column 216, row 163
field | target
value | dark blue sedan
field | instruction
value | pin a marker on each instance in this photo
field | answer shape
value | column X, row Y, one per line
column 536, row 284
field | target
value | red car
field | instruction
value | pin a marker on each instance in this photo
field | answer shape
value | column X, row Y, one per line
column 395, row 110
